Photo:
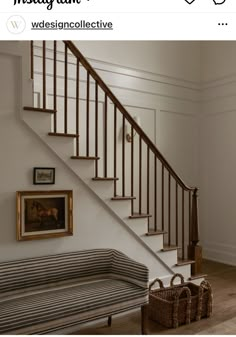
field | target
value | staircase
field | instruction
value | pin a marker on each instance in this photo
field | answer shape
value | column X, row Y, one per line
column 84, row 123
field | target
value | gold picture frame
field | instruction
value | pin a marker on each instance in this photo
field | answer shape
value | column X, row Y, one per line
column 44, row 214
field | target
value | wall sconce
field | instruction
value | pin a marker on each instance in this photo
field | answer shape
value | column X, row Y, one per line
column 128, row 135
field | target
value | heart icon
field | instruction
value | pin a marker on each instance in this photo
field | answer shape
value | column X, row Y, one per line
column 189, row 1
column 219, row 2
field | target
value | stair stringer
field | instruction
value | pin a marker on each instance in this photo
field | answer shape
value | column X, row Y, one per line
column 62, row 147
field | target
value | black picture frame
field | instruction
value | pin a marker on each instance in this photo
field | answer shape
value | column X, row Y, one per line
column 44, row 176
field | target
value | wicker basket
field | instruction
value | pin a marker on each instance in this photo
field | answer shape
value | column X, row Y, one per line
column 179, row 304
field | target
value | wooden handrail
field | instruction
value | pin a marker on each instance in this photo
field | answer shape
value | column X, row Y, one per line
column 128, row 117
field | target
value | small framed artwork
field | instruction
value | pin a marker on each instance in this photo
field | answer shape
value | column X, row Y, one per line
column 44, row 175
column 44, row 214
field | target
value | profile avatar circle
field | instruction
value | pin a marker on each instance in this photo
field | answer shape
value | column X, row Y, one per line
column 16, row 24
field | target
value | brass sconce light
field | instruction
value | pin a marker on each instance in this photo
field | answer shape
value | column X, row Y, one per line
column 128, row 134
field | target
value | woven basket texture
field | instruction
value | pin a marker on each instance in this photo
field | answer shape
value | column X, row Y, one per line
column 171, row 306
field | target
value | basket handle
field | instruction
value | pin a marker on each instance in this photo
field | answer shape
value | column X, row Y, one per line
column 153, row 282
column 205, row 285
column 176, row 306
column 174, row 277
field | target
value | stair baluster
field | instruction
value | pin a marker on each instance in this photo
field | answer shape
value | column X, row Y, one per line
column 77, row 108
column 140, row 174
column 169, row 210
column 189, row 216
column 132, row 170
column 44, row 74
column 177, row 215
column 155, row 193
column 148, row 185
column 87, row 113
column 32, row 59
column 123, row 156
column 183, row 226
column 55, row 85
column 105, row 136
column 115, row 150
column 163, row 197
column 96, row 128
column 65, row 90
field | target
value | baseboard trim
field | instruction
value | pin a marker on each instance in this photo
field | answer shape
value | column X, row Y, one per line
column 220, row 253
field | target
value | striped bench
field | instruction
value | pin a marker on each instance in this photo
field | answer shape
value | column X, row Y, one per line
column 45, row 294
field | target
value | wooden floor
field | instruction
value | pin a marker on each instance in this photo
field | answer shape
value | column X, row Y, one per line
column 223, row 321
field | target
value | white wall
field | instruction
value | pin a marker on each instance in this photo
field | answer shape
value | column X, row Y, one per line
column 218, row 60
column 217, row 149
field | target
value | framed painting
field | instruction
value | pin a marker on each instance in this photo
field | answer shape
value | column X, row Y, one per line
column 44, row 214
column 44, row 175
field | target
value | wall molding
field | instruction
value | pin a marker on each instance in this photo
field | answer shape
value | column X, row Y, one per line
column 180, row 113
column 155, row 93
column 218, row 113
column 137, row 73
column 135, row 80
column 219, row 252
column 219, row 81
column 194, row 92
column 129, row 71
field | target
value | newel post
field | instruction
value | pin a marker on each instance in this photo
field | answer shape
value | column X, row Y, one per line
column 194, row 250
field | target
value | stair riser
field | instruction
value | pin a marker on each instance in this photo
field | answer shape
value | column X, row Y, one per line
column 138, row 226
column 169, row 257
column 155, row 242
column 39, row 122
column 184, row 270
column 84, row 169
column 62, row 146
column 104, row 189
column 122, row 208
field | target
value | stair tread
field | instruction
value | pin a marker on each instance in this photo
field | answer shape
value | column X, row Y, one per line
column 50, row 111
column 61, row 134
column 167, row 248
column 158, row 232
column 182, row 262
column 120, row 198
column 197, row 276
column 85, row 158
column 104, row 179
column 137, row 216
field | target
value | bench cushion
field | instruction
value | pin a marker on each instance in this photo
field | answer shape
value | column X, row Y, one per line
column 31, row 312
column 27, row 273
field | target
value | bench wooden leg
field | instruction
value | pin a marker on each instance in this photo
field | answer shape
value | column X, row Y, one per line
column 144, row 320
column 109, row 320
